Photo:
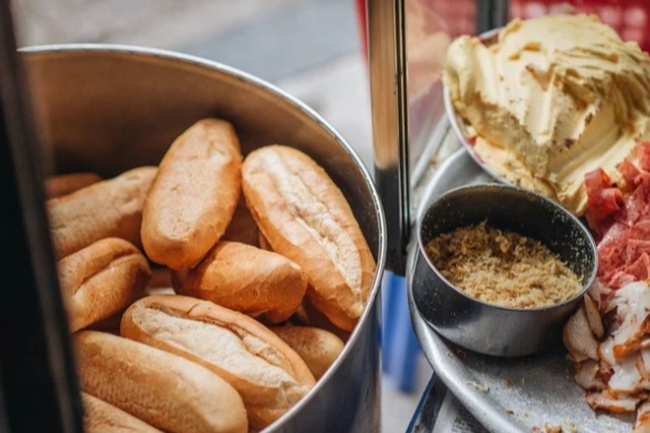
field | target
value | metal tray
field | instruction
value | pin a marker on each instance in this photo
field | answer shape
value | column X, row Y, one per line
column 507, row 395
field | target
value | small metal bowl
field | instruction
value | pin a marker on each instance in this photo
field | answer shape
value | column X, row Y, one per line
column 488, row 328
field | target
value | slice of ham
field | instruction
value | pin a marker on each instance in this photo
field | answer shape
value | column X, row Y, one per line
column 630, row 173
column 611, row 249
column 637, row 205
column 603, row 200
column 643, row 155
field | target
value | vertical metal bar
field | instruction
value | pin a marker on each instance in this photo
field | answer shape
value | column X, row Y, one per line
column 387, row 61
column 37, row 374
column 491, row 14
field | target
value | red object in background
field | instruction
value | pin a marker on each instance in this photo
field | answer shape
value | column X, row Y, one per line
column 630, row 18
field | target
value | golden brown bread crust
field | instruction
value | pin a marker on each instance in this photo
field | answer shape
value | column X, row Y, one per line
column 305, row 217
column 242, row 227
column 101, row 280
column 102, row 417
column 266, row 372
column 246, row 279
column 317, row 347
column 162, row 389
column 110, row 208
column 63, row 184
column 194, row 195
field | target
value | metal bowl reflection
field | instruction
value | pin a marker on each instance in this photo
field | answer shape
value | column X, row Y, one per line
column 488, row 328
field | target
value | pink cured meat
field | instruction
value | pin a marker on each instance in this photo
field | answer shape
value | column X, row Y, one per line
column 611, row 249
column 603, row 201
column 636, row 248
column 623, row 225
column 640, row 268
column 629, row 172
column 637, row 206
column 641, row 229
column 643, row 155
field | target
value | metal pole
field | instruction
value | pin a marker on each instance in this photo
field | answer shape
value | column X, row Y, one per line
column 387, row 61
column 37, row 374
column 491, row 14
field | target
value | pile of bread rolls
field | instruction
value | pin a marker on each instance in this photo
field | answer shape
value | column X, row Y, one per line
column 207, row 294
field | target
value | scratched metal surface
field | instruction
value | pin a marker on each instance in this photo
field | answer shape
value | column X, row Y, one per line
column 513, row 395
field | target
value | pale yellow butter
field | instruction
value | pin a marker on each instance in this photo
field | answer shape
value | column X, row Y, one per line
column 554, row 98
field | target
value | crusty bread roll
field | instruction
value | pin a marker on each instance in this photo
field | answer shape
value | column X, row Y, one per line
column 63, row 184
column 305, row 217
column 193, row 196
column 307, row 315
column 100, row 280
column 242, row 227
column 266, row 372
column 110, row 208
column 101, row 417
column 317, row 347
column 246, row 279
column 162, row 389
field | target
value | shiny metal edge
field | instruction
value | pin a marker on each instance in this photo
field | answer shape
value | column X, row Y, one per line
column 240, row 75
column 536, row 375
column 388, row 88
column 476, row 402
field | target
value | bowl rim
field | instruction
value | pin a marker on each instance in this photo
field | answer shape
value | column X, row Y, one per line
column 590, row 244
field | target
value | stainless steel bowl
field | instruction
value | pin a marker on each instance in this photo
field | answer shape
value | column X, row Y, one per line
column 487, row 328
column 109, row 108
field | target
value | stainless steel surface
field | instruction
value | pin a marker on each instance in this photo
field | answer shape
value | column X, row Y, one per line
column 484, row 327
column 38, row 386
column 387, row 63
column 516, row 395
column 108, row 108
column 492, row 14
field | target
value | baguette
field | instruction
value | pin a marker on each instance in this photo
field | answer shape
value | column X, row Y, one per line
column 317, row 347
column 246, row 279
column 193, row 196
column 101, row 280
column 266, row 372
column 64, row 184
column 102, row 417
column 305, row 217
column 162, row 389
column 110, row 208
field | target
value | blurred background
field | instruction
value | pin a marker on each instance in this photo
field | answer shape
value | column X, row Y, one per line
column 314, row 50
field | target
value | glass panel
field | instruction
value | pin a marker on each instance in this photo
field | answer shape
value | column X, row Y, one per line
column 431, row 25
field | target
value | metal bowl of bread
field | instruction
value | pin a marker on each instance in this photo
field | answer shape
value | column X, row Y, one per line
column 219, row 246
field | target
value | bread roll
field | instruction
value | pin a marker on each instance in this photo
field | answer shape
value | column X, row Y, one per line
column 194, row 195
column 246, row 279
column 111, row 208
column 305, row 217
column 63, row 184
column 266, row 372
column 162, row 389
column 242, row 227
column 100, row 280
column 101, row 417
column 317, row 347
column 307, row 315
